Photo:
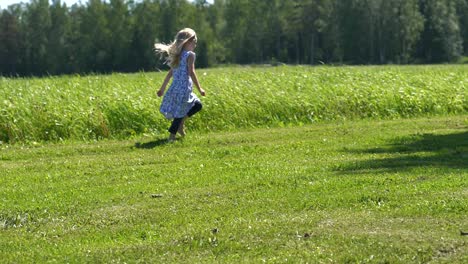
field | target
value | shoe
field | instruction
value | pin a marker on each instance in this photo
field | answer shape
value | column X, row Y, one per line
column 181, row 129
column 171, row 138
column 181, row 132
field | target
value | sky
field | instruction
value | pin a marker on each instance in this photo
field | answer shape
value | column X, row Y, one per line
column 5, row 3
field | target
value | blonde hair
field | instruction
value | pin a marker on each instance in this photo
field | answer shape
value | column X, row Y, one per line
column 172, row 51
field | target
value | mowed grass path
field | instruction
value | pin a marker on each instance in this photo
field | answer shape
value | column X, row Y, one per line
column 365, row 191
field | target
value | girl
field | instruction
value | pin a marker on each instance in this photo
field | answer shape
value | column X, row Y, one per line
column 180, row 102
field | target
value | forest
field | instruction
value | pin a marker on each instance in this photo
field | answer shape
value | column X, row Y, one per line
column 50, row 38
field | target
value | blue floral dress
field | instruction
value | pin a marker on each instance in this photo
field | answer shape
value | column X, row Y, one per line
column 179, row 98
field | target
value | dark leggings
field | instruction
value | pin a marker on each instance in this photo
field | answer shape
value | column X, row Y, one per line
column 176, row 122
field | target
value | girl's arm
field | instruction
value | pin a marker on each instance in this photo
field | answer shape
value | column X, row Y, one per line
column 191, row 68
column 166, row 81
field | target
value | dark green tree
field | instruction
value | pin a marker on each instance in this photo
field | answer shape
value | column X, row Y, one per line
column 119, row 25
column 118, row 35
column 462, row 12
column 57, row 35
column 441, row 39
column 235, row 29
column 36, row 26
column 10, row 43
column 402, row 29
column 146, row 27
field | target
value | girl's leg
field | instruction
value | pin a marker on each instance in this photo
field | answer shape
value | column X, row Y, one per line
column 175, row 125
column 181, row 129
column 195, row 109
column 178, row 123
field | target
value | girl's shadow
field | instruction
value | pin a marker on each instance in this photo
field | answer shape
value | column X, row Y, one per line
column 152, row 144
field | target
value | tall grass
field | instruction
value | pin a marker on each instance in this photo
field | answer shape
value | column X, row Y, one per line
column 123, row 105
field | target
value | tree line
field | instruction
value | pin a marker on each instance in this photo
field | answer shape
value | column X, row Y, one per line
column 49, row 38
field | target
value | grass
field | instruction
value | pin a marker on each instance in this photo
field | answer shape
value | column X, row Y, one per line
column 391, row 191
column 121, row 106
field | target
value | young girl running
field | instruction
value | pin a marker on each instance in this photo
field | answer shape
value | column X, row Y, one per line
column 180, row 102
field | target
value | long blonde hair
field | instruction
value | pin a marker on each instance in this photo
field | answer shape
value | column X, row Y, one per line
column 172, row 51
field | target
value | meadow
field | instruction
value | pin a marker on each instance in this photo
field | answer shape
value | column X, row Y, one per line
column 120, row 106
column 338, row 192
column 283, row 165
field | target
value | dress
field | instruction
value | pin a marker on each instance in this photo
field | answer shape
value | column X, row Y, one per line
column 179, row 98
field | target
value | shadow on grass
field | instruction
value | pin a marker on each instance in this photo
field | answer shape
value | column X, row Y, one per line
column 421, row 150
column 152, row 144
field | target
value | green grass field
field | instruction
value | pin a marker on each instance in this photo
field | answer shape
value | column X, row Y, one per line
column 120, row 106
column 312, row 165
column 362, row 191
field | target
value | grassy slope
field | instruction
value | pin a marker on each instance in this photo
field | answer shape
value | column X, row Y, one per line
column 363, row 191
column 120, row 106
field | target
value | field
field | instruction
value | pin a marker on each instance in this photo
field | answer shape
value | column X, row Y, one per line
column 368, row 167
column 123, row 105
